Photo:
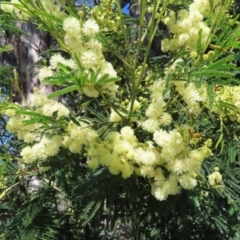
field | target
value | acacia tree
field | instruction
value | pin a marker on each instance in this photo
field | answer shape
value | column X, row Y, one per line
column 28, row 44
column 145, row 146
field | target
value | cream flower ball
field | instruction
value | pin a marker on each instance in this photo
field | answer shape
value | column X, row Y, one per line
column 90, row 27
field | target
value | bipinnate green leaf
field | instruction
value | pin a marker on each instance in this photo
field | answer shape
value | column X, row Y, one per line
column 63, row 91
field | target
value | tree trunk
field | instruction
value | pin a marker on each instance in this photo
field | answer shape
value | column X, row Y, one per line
column 26, row 53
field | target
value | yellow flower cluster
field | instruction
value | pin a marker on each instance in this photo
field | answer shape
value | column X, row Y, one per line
column 42, row 146
column 78, row 136
column 192, row 95
column 106, row 16
column 48, row 107
column 168, row 161
column 168, row 153
column 22, row 13
column 226, row 98
column 227, row 102
column 115, row 152
column 53, row 8
column 166, row 157
column 118, row 116
column 215, row 179
column 81, row 39
column 42, row 150
column 15, row 7
column 156, row 114
column 186, row 26
column 182, row 162
column 49, row 71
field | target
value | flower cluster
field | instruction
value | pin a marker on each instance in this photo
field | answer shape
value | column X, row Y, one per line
column 116, row 152
column 215, row 179
column 78, row 136
column 80, row 38
column 55, row 60
column 192, row 95
column 156, row 114
column 107, row 18
column 166, row 159
column 168, row 162
column 41, row 146
column 179, row 159
column 47, row 106
column 186, row 26
column 16, row 8
column 227, row 102
column 147, row 143
column 53, row 8
column 22, row 13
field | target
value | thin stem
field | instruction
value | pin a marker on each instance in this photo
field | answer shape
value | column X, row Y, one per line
column 140, row 39
column 126, row 40
column 56, row 188
column 16, row 83
column 111, row 104
column 213, row 29
column 152, row 34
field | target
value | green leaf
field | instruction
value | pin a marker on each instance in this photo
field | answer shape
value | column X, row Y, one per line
column 76, row 59
column 231, row 154
column 61, row 78
column 222, row 104
column 63, row 91
column 93, row 75
column 40, row 117
column 102, row 39
column 97, row 204
column 220, row 223
column 213, row 73
column 6, row 48
column 196, row 201
column 4, row 69
column 181, row 54
column 105, row 79
column 80, row 79
column 75, row 121
column 231, row 211
column 199, row 41
column 12, row 28
column 29, row 234
column 210, row 92
column 223, row 63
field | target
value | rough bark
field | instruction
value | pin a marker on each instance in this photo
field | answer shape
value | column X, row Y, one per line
column 25, row 54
